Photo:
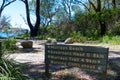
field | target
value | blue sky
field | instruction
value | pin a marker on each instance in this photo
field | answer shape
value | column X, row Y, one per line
column 15, row 10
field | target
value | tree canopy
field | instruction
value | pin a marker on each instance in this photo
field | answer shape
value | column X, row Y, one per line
column 83, row 16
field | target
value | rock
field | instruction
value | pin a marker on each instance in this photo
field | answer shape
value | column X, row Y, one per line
column 27, row 44
column 69, row 41
column 51, row 41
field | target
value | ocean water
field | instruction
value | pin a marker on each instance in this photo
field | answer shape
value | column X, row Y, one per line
column 16, row 32
column 4, row 34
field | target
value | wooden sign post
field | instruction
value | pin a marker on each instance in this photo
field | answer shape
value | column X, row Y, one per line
column 85, row 57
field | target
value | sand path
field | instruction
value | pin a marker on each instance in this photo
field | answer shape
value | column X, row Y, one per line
column 35, row 60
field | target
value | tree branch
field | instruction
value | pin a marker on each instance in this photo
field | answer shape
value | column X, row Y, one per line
column 23, row 1
column 28, row 14
column 93, row 5
column 8, row 3
column 4, row 4
column 84, row 5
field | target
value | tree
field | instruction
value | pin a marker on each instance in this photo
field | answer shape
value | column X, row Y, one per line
column 33, row 28
column 65, row 10
column 67, row 4
column 61, row 15
column 4, row 4
column 97, row 7
column 47, row 11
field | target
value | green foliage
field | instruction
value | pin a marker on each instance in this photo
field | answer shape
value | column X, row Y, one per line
column 92, row 34
column 9, row 44
column 26, row 34
column 77, row 36
column 85, row 26
column 80, row 20
column 88, row 23
column 61, row 32
column 115, row 40
column 108, row 14
column 9, row 71
column 105, row 39
column 22, row 36
column 117, row 28
column 111, row 39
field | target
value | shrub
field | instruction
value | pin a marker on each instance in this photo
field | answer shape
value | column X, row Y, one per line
column 9, row 44
column 77, row 36
column 22, row 36
column 110, row 39
column 117, row 28
column 105, row 39
column 115, row 40
column 9, row 71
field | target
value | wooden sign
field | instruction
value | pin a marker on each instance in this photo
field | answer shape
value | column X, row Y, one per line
column 85, row 57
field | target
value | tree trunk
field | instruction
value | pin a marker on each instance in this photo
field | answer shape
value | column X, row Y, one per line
column 114, row 3
column 98, row 5
column 34, row 32
column 101, row 22
column 33, row 28
column 102, row 28
column 0, row 12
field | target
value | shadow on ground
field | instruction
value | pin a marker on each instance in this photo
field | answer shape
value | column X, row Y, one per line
column 114, row 66
column 115, row 52
column 37, row 71
column 29, row 50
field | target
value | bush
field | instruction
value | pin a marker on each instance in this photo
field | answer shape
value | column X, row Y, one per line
column 110, row 39
column 9, row 44
column 117, row 28
column 105, row 39
column 10, row 71
column 115, row 40
column 22, row 36
column 77, row 36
